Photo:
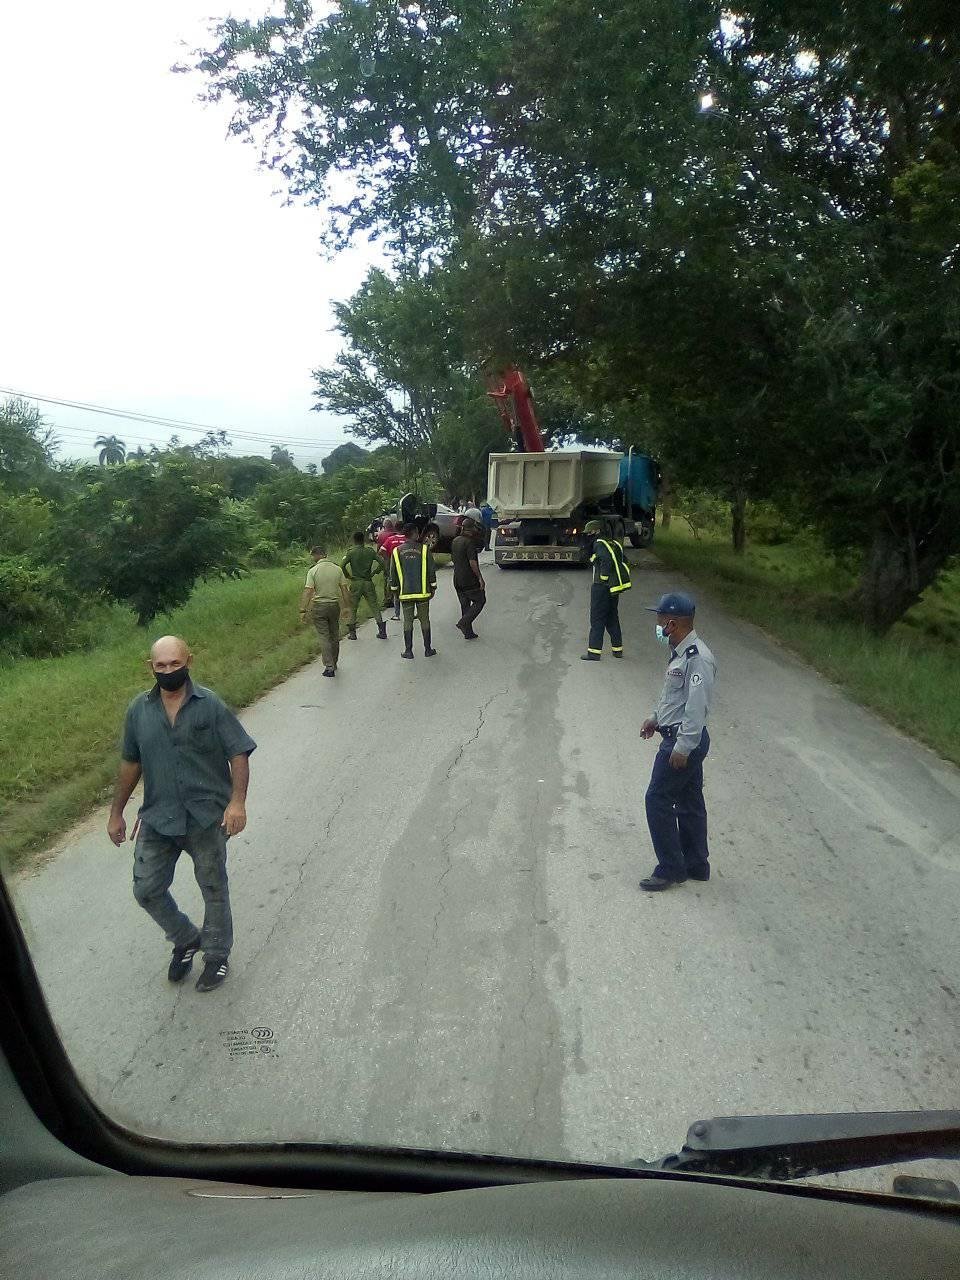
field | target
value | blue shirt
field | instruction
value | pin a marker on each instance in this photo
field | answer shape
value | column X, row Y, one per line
column 186, row 765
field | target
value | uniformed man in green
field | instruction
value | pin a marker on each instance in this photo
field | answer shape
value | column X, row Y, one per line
column 611, row 577
column 326, row 594
column 359, row 565
column 413, row 576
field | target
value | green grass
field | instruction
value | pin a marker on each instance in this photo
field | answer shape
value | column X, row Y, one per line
column 60, row 718
column 796, row 592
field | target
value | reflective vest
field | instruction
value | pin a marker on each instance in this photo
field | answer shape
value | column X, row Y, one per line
column 620, row 568
column 415, row 591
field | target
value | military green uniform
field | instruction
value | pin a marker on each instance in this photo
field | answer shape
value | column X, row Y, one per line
column 359, row 565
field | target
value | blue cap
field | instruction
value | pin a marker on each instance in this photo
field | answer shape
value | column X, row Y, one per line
column 675, row 605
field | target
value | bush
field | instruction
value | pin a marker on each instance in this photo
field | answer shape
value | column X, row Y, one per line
column 38, row 617
column 264, row 554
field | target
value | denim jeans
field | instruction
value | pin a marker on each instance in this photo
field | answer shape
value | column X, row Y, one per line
column 154, row 862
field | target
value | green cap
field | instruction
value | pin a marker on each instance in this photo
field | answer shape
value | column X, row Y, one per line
column 593, row 526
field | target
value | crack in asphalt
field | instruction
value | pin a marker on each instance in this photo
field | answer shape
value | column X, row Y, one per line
column 475, row 735
column 164, row 1025
column 445, row 840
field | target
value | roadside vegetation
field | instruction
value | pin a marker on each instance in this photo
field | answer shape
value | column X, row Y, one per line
column 800, row 593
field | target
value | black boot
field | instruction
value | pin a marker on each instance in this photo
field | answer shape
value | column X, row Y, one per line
column 427, row 649
column 351, row 631
column 408, row 641
column 381, row 630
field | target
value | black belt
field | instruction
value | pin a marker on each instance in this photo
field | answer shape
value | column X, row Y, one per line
column 668, row 730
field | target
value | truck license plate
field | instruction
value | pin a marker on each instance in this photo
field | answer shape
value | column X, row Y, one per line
column 536, row 555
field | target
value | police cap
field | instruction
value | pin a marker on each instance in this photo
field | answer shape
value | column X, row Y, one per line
column 674, row 605
column 593, row 526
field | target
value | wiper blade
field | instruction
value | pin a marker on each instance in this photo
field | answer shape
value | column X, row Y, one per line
column 785, row 1147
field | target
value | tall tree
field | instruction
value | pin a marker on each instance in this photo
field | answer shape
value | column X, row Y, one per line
column 112, row 450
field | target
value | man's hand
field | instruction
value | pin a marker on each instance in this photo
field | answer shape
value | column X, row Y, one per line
column 234, row 818
column 117, row 829
column 648, row 728
column 677, row 759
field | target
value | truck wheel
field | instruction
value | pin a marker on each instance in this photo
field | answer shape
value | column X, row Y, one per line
column 641, row 535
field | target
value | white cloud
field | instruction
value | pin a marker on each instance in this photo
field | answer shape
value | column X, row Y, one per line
column 145, row 260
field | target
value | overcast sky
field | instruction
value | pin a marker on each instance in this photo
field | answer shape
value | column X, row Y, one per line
column 145, row 261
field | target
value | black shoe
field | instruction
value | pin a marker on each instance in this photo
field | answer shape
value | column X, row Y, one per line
column 589, row 657
column 351, row 633
column 429, row 653
column 214, row 973
column 657, row 884
column 407, row 653
column 618, row 654
column 470, row 635
column 382, row 631
column 329, row 671
column 701, row 873
column 181, row 962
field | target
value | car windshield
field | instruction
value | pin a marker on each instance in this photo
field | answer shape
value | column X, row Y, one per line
column 478, row 595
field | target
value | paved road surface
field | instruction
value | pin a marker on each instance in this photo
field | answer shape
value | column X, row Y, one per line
column 438, row 919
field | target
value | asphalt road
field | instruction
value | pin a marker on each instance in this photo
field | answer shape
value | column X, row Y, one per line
column 439, row 937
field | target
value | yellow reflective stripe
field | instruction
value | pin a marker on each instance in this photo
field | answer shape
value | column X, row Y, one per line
column 423, row 593
column 594, row 651
column 623, row 584
column 617, row 648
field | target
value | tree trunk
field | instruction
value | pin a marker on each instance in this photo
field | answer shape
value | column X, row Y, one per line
column 738, row 513
column 666, row 501
column 893, row 577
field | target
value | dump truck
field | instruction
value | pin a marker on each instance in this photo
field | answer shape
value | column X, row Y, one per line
column 543, row 500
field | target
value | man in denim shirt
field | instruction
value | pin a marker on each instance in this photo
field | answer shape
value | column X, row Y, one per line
column 193, row 755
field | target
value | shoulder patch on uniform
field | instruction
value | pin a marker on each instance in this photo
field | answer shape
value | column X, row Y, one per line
column 691, row 652
column 697, row 678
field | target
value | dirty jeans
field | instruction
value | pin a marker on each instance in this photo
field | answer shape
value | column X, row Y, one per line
column 154, row 862
column 326, row 618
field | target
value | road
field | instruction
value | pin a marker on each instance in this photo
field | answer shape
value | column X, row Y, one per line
column 438, row 919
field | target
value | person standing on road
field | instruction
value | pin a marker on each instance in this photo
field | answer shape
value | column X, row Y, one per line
column 611, row 577
column 676, row 813
column 413, row 577
column 388, row 542
column 326, row 594
column 194, row 757
column 467, row 579
column 488, row 516
column 359, row 565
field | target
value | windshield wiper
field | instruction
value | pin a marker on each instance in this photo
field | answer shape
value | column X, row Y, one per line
column 786, row 1147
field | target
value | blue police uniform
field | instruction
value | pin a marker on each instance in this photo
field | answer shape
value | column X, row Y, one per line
column 676, row 812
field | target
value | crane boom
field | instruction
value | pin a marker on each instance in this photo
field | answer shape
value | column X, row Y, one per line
column 512, row 387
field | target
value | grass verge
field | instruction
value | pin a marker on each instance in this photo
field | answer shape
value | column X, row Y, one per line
column 911, row 676
column 60, row 718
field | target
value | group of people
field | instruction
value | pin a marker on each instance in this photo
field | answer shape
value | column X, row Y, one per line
column 333, row 592
column 193, row 753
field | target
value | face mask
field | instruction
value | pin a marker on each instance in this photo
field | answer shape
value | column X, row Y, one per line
column 662, row 635
column 172, row 680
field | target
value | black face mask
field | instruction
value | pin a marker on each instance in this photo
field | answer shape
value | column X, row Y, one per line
column 172, row 680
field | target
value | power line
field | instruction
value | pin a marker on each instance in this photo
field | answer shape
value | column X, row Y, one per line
column 134, row 415
column 133, row 437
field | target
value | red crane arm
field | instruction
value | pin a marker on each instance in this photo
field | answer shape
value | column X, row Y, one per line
column 522, row 423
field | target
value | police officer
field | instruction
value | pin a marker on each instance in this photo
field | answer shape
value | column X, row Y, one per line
column 611, row 577
column 676, row 813
column 414, row 579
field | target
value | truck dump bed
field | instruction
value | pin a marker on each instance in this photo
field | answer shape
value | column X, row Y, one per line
column 523, row 486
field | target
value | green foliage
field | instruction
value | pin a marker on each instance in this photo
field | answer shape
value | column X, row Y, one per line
column 25, row 520
column 344, row 455
column 143, row 534
column 361, row 510
column 264, row 554
column 26, row 445
column 112, row 450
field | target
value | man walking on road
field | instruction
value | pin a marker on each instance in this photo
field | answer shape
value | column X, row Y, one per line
column 193, row 755
column 467, row 579
column 611, row 577
column 359, row 565
column 326, row 594
column 676, row 813
column 413, row 577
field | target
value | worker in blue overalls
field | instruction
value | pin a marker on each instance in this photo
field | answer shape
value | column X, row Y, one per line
column 676, row 813
column 611, row 577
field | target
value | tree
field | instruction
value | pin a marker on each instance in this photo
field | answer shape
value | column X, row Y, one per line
column 112, row 450
column 282, row 458
column 344, row 455
column 145, row 533
column 26, row 446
